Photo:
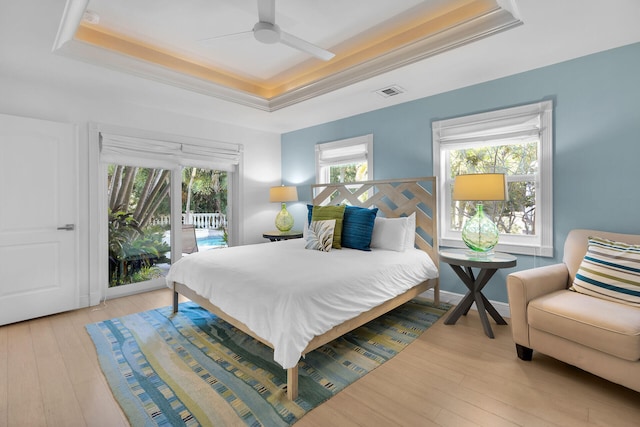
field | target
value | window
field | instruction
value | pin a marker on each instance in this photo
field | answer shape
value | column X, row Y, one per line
column 347, row 160
column 514, row 141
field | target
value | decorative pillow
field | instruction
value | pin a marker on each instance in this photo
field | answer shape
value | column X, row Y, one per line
column 310, row 210
column 357, row 227
column 610, row 270
column 321, row 213
column 410, row 232
column 389, row 233
column 320, row 235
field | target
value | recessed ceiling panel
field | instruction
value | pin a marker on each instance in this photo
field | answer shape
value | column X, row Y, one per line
column 208, row 45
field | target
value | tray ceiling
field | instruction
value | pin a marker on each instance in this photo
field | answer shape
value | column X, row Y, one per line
column 207, row 45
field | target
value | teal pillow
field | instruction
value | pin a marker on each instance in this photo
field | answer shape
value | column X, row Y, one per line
column 321, row 213
column 357, row 227
column 310, row 210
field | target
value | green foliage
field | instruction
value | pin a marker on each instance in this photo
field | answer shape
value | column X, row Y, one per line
column 123, row 228
column 131, row 249
column 204, row 191
column 136, row 197
column 146, row 273
column 352, row 172
column 520, row 162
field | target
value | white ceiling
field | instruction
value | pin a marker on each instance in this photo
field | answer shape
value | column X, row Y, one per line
column 184, row 27
column 174, row 43
column 553, row 31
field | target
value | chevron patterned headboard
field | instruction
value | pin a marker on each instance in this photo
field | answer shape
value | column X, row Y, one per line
column 393, row 198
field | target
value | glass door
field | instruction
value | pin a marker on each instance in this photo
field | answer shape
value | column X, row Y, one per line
column 139, row 224
column 153, row 189
column 204, row 207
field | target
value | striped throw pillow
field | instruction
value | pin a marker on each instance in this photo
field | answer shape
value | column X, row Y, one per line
column 610, row 270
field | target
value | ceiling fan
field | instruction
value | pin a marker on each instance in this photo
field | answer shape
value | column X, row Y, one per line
column 266, row 31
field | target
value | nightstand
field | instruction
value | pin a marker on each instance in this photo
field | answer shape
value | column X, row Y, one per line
column 275, row 236
column 461, row 261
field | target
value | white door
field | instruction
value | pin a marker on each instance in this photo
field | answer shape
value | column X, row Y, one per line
column 38, row 215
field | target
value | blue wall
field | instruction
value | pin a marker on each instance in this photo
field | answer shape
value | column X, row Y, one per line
column 596, row 143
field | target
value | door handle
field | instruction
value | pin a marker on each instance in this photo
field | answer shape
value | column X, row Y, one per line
column 68, row 227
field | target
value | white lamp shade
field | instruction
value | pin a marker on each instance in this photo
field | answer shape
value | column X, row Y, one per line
column 480, row 187
column 283, row 194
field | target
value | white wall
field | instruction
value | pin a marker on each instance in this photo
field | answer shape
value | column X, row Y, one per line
column 65, row 103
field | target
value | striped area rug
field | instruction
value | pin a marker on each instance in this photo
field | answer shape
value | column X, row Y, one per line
column 194, row 369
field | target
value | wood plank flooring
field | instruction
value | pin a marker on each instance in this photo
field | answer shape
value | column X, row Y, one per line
column 451, row 376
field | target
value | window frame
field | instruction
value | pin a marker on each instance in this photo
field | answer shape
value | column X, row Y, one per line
column 345, row 145
column 487, row 129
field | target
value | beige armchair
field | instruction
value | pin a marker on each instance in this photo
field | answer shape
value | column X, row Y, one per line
column 596, row 335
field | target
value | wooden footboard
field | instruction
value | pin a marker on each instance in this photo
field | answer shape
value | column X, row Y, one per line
column 320, row 340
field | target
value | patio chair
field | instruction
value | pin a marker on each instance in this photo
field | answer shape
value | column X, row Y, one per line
column 189, row 242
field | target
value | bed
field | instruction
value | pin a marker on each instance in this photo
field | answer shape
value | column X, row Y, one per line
column 295, row 300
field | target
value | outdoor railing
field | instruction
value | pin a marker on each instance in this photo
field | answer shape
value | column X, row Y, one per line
column 207, row 220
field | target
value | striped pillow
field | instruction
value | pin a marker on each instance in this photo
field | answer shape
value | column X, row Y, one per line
column 610, row 270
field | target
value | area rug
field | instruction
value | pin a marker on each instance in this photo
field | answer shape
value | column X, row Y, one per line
column 193, row 368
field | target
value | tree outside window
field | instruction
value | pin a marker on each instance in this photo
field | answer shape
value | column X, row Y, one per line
column 515, row 141
column 344, row 161
column 519, row 162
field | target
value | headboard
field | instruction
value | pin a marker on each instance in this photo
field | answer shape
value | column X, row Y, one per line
column 393, row 198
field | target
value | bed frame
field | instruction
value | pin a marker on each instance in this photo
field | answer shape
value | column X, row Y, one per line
column 394, row 198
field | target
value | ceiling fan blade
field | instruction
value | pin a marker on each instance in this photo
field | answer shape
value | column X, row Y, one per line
column 305, row 46
column 225, row 36
column 267, row 11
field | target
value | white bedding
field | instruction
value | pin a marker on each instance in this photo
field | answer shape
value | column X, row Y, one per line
column 287, row 294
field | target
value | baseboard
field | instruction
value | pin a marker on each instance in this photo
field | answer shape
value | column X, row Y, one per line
column 453, row 298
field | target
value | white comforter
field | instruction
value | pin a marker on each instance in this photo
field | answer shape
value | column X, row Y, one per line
column 287, row 294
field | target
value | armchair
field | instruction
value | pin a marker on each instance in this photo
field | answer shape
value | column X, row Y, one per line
column 594, row 334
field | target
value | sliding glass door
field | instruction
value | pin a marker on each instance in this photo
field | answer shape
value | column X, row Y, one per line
column 154, row 191
column 139, row 223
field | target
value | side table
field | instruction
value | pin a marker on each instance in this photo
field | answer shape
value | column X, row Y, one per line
column 488, row 265
column 275, row 236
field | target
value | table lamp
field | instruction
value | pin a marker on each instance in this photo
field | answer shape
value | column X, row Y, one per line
column 282, row 194
column 479, row 233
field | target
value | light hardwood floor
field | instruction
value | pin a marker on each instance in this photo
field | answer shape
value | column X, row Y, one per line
column 450, row 376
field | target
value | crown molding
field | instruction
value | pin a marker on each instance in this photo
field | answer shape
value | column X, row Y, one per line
column 490, row 21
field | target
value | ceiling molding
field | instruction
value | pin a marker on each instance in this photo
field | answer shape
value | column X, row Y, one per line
column 491, row 23
column 476, row 20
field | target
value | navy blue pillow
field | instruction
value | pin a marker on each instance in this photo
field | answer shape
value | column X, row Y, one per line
column 357, row 226
column 310, row 209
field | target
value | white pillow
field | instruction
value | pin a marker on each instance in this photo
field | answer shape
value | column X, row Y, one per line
column 410, row 232
column 391, row 233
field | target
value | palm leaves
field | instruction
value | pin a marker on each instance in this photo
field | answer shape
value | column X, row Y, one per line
column 320, row 235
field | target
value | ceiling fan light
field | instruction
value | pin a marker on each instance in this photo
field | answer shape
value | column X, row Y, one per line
column 266, row 32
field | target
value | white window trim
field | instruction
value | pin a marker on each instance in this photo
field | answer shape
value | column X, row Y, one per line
column 444, row 135
column 363, row 140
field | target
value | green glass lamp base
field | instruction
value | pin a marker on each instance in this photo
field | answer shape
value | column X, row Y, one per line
column 480, row 234
column 284, row 220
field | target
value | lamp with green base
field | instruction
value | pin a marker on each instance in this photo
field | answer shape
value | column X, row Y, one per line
column 479, row 233
column 283, row 194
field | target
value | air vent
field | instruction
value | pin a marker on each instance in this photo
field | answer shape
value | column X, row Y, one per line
column 91, row 17
column 390, row 91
